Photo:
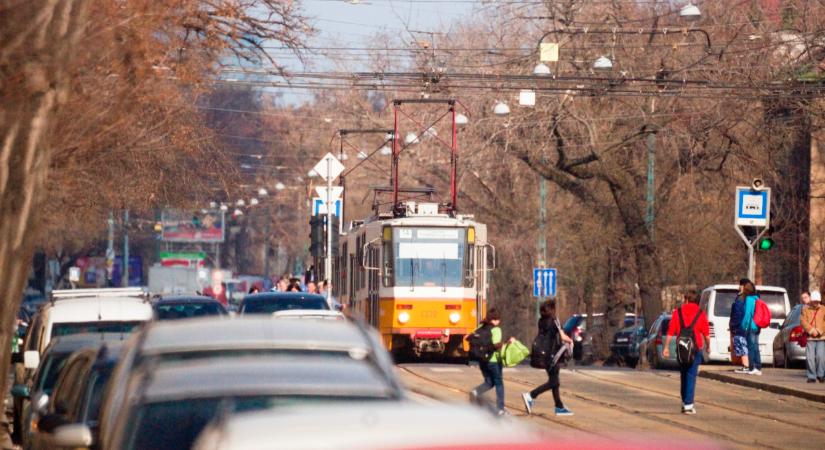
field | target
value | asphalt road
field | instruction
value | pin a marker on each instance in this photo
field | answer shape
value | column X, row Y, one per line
column 622, row 402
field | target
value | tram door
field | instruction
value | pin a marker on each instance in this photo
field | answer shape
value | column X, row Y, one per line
column 480, row 280
column 372, row 284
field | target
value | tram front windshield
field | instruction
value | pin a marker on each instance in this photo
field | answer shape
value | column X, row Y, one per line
column 429, row 256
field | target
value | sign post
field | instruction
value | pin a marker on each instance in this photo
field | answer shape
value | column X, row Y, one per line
column 753, row 209
column 329, row 168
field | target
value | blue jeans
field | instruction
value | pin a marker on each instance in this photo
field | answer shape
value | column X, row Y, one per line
column 493, row 377
column 754, row 359
column 815, row 355
column 688, row 379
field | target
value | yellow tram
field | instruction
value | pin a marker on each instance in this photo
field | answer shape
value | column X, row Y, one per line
column 420, row 279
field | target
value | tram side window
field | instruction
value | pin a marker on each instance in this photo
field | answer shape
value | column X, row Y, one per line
column 386, row 264
column 362, row 281
column 342, row 283
column 359, row 259
column 470, row 257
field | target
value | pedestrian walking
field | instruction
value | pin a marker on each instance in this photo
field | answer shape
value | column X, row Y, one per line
column 813, row 322
column 550, row 327
column 739, row 336
column 689, row 325
column 748, row 291
column 488, row 339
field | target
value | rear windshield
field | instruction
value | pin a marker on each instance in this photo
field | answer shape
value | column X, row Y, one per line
column 65, row 329
column 268, row 305
column 171, row 311
column 665, row 326
column 774, row 300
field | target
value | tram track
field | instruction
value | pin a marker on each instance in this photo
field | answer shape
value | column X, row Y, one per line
column 651, row 417
column 751, row 413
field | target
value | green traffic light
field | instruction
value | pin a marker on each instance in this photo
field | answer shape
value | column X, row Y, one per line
column 765, row 244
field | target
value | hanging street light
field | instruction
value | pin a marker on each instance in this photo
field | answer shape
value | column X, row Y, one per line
column 461, row 120
column 501, row 109
column 542, row 70
column 213, row 205
column 240, row 203
column 411, row 139
column 280, row 186
column 362, row 155
column 262, row 192
column 253, row 201
column 224, row 207
column 385, row 151
column 690, row 13
column 603, row 64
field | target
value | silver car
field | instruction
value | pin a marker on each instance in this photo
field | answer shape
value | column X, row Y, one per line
column 654, row 344
column 786, row 348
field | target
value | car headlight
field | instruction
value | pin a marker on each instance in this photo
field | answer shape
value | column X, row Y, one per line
column 455, row 317
column 403, row 317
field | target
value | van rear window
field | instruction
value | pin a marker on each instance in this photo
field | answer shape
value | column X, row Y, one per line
column 65, row 329
column 774, row 300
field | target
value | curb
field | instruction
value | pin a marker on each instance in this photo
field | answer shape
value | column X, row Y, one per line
column 715, row 375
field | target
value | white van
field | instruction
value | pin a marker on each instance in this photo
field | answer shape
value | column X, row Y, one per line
column 75, row 311
column 717, row 301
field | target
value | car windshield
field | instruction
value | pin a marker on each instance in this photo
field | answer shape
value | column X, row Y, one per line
column 68, row 328
column 429, row 256
column 171, row 311
column 271, row 303
column 50, row 369
column 176, row 424
column 725, row 298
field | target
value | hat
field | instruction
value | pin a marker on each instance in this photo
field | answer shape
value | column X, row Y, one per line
column 816, row 296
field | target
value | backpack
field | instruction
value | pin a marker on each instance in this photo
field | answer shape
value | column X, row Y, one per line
column 686, row 341
column 761, row 314
column 513, row 354
column 481, row 344
column 543, row 349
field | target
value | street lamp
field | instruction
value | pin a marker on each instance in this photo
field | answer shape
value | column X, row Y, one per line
column 603, row 63
column 690, row 13
column 542, row 70
column 280, row 186
column 224, row 207
column 240, row 203
column 253, row 201
column 262, row 192
column 411, row 139
column 461, row 120
column 213, row 205
column 501, row 109
column 385, row 150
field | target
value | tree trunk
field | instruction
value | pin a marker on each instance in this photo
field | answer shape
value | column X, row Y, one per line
column 38, row 41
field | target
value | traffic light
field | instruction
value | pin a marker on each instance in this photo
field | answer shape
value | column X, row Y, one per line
column 316, row 236
column 765, row 244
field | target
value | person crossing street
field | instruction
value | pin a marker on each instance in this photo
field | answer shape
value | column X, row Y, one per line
column 688, row 317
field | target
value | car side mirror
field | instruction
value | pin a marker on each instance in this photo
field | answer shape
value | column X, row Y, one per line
column 31, row 359
column 72, row 436
column 20, row 390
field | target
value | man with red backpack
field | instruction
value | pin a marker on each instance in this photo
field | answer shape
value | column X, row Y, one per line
column 752, row 329
column 689, row 325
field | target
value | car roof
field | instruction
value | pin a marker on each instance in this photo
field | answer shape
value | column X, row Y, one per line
column 366, row 425
column 320, row 313
column 213, row 333
column 185, row 299
column 99, row 309
column 735, row 287
column 256, row 376
column 269, row 296
column 75, row 342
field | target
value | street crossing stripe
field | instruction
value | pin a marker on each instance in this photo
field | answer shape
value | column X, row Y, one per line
column 446, row 369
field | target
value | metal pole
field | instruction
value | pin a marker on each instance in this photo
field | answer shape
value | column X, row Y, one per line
column 751, row 263
column 110, row 249
column 542, row 238
column 328, row 262
column 651, row 185
column 266, row 242
column 124, row 280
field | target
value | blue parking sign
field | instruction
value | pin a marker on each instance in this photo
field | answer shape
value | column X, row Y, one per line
column 544, row 282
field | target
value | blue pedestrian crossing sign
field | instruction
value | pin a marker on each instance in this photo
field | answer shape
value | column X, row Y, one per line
column 544, row 282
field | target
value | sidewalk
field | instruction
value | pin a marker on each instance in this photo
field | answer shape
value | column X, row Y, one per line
column 779, row 381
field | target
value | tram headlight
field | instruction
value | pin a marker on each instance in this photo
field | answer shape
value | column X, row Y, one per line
column 455, row 317
column 403, row 317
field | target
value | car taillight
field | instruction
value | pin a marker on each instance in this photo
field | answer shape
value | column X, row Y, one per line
column 658, row 340
column 577, row 334
column 797, row 333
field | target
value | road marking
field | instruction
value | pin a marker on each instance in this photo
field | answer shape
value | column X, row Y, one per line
column 445, row 369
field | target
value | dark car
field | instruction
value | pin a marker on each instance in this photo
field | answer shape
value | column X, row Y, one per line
column 270, row 302
column 576, row 328
column 185, row 307
column 78, row 392
column 35, row 393
column 625, row 344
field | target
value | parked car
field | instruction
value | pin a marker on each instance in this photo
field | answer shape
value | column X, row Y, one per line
column 787, row 350
column 270, row 302
column 576, row 328
column 654, row 343
column 317, row 314
column 78, row 392
column 34, row 394
column 370, row 425
column 187, row 307
column 174, row 343
column 716, row 302
column 625, row 344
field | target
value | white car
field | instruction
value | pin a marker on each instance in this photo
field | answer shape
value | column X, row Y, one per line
column 717, row 301
column 86, row 311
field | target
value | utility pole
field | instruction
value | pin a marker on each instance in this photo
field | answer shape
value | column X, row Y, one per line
column 542, row 236
column 651, row 184
column 328, row 260
column 266, row 242
column 125, row 271
column 110, row 249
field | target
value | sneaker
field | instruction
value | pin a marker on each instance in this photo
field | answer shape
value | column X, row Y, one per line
column 563, row 412
column 474, row 396
column 755, row 372
column 502, row 412
column 742, row 370
column 528, row 402
column 689, row 410
column 811, row 380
